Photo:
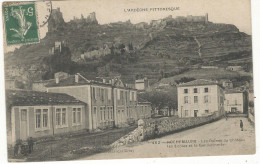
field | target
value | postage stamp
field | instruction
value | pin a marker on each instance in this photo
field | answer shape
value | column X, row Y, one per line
column 21, row 24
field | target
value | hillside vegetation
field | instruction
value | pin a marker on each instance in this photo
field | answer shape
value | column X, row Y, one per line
column 158, row 52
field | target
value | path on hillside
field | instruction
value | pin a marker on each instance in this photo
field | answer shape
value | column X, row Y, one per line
column 199, row 45
column 209, row 139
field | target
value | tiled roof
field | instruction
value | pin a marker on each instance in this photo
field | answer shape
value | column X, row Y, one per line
column 198, row 82
column 31, row 98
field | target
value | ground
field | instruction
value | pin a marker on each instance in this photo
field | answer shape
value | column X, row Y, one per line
column 223, row 137
column 69, row 147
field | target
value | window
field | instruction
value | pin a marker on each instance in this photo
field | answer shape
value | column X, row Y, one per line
column 206, row 90
column 206, row 111
column 195, row 99
column 61, row 116
column 94, row 93
column 133, row 96
column 186, row 99
column 206, row 99
column 109, row 94
column 38, row 118
column 118, row 94
column 104, row 112
column 102, row 96
column 101, row 114
column 130, row 96
column 126, row 97
column 45, row 118
column 195, row 90
column 111, row 113
column 121, row 95
column 76, row 115
column 41, row 118
column 95, row 110
column 186, row 113
column 235, row 102
column 185, row 90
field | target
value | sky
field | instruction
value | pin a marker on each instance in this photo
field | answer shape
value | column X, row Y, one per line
column 235, row 12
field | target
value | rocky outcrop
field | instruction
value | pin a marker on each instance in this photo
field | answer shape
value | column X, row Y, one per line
column 56, row 21
column 92, row 18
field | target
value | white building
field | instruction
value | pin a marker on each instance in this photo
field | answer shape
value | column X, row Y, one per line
column 141, row 84
column 200, row 98
column 235, row 102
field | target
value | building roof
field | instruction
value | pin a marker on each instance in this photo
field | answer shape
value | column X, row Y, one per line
column 70, row 81
column 198, row 82
column 230, row 91
column 34, row 98
column 85, row 79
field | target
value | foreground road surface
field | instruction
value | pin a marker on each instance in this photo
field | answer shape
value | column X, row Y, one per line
column 218, row 138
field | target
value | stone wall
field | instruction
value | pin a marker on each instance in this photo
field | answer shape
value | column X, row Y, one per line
column 152, row 128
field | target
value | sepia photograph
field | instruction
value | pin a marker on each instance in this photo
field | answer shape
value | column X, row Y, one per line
column 99, row 80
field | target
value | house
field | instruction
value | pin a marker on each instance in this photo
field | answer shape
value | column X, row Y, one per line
column 108, row 101
column 226, row 83
column 235, row 101
column 144, row 109
column 10, row 83
column 141, row 84
column 40, row 85
column 200, row 97
column 38, row 114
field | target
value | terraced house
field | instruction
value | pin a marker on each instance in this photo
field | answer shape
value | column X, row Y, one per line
column 200, row 98
column 109, row 102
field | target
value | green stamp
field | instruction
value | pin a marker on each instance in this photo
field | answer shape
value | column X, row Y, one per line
column 21, row 24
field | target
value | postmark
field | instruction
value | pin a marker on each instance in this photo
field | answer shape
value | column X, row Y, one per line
column 21, row 24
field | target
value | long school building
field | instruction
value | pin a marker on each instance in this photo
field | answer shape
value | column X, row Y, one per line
column 109, row 102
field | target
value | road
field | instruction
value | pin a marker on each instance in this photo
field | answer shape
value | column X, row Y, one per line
column 222, row 137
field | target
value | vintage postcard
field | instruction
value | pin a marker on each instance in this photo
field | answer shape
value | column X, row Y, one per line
column 118, row 79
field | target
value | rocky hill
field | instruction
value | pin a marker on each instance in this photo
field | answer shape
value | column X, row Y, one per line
column 161, row 46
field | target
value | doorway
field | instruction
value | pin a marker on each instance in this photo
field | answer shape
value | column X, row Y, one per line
column 196, row 113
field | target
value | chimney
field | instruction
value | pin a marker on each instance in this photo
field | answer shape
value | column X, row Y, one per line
column 76, row 78
column 104, row 80
column 110, row 82
column 57, row 79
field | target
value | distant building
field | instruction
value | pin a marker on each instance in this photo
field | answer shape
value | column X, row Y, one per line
column 144, row 109
column 10, row 84
column 40, row 85
column 235, row 102
column 234, row 68
column 200, row 97
column 226, row 83
column 141, row 84
column 38, row 114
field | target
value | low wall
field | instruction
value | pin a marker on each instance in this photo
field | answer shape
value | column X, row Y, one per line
column 151, row 128
column 251, row 116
